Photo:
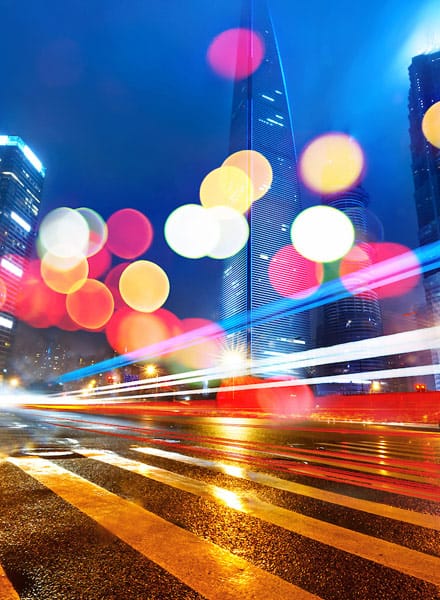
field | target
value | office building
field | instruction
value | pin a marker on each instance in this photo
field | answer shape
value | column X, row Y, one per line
column 261, row 121
column 21, row 181
column 424, row 74
column 356, row 317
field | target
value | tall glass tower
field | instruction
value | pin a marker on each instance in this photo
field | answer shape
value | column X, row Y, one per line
column 261, row 121
column 424, row 74
column 355, row 317
column 21, row 182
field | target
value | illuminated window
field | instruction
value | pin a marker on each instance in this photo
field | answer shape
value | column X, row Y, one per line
column 15, row 217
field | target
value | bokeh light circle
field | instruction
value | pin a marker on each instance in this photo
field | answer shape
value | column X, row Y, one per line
column 272, row 400
column 99, row 263
column 191, row 231
column 257, row 168
column 292, row 275
column 170, row 320
column 65, row 322
column 207, row 349
column 64, row 232
column 36, row 304
column 64, row 275
column 91, row 306
column 322, row 233
column 236, row 53
column 385, row 279
column 331, row 163
column 130, row 233
column 144, row 286
column 356, row 259
column 285, row 401
column 98, row 232
column 234, row 232
column 129, row 330
column 431, row 124
column 227, row 186
column 112, row 282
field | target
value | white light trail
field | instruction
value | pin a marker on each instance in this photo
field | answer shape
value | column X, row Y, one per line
column 409, row 341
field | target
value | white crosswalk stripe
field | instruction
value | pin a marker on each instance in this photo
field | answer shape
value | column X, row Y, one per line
column 390, row 555
column 7, row 591
column 383, row 510
column 221, row 574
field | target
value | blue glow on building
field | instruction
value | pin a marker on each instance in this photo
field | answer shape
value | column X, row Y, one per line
column 13, row 140
column 354, row 317
column 21, row 181
column 424, row 74
column 261, row 121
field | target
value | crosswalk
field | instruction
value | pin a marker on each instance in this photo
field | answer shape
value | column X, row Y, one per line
column 7, row 591
column 397, row 548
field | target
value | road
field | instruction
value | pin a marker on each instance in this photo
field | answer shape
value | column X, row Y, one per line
column 99, row 507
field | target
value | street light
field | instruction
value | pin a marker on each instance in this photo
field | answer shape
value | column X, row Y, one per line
column 375, row 386
column 234, row 360
column 152, row 371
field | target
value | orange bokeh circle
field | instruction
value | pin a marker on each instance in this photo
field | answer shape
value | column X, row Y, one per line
column 91, row 306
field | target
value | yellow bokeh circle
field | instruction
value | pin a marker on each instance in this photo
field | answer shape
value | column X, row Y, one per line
column 227, row 186
column 144, row 286
column 257, row 168
column 431, row 124
column 64, row 274
column 331, row 163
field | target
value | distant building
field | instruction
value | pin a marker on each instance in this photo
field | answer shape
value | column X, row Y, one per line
column 356, row 317
column 21, row 182
column 424, row 74
column 261, row 121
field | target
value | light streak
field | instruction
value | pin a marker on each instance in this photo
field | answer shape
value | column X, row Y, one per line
column 410, row 341
column 361, row 377
column 371, row 277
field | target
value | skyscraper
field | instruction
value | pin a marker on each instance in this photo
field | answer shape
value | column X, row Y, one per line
column 21, row 181
column 424, row 74
column 356, row 317
column 261, row 121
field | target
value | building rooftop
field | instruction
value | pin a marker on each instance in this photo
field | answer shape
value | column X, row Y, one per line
column 13, row 140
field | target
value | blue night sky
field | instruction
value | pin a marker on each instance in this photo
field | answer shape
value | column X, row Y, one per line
column 117, row 100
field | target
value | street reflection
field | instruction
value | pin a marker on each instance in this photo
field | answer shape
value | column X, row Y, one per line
column 232, row 429
column 231, row 499
column 232, row 470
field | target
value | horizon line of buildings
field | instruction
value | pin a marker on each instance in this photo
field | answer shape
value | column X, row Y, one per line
column 257, row 101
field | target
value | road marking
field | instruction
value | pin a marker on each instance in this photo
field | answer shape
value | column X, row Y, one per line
column 347, row 464
column 340, row 475
column 375, row 508
column 372, row 450
column 7, row 591
column 216, row 574
column 411, row 562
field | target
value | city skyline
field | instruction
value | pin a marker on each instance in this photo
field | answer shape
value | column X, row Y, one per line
column 121, row 97
column 195, row 283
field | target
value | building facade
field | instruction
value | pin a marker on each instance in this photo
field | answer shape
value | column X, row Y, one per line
column 424, row 75
column 21, row 182
column 356, row 317
column 261, row 121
